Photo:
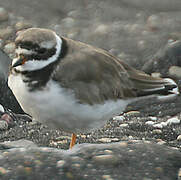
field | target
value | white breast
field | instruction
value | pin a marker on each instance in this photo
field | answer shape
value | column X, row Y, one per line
column 58, row 108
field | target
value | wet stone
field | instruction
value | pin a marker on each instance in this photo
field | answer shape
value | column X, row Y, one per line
column 3, row 14
column 9, row 48
column 106, row 159
column 6, row 33
column 22, row 25
column 175, row 71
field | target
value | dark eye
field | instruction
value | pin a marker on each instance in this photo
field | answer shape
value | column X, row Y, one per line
column 42, row 50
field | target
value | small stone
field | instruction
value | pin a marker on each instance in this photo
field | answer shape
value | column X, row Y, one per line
column 179, row 174
column 60, row 163
column 106, row 177
column 157, row 131
column 28, row 170
column 108, row 151
column 175, row 71
column 153, row 118
column 6, row 33
column 104, row 140
column 107, row 159
column 150, row 123
column 3, row 125
column 159, row 169
column 154, row 22
column 22, row 25
column 2, row 171
column 69, row 175
column 173, row 120
column 160, row 142
column 1, row 108
column 3, row 14
column 124, row 125
column 76, row 165
column 132, row 112
column 179, row 138
column 102, row 29
column 160, row 126
column 68, row 22
column 118, row 118
column 156, row 74
column 9, row 48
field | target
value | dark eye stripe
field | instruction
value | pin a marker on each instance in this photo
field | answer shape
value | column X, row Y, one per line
column 47, row 53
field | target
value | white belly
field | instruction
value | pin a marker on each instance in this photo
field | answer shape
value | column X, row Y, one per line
column 58, row 108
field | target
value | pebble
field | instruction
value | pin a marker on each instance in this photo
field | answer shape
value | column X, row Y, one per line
column 1, row 108
column 6, row 33
column 2, row 171
column 68, row 22
column 107, row 159
column 179, row 138
column 124, row 125
column 106, row 177
column 118, row 118
column 76, row 165
column 108, row 140
column 22, row 25
column 132, row 112
column 60, row 163
column 9, row 48
column 156, row 74
column 153, row 118
column 173, row 120
column 158, row 126
column 179, row 174
column 3, row 14
column 175, row 71
column 160, row 142
column 3, row 125
column 154, row 22
column 102, row 29
column 108, row 151
column 149, row 123
column 157, row 131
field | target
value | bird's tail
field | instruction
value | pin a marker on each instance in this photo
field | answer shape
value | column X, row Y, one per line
column 147, row 85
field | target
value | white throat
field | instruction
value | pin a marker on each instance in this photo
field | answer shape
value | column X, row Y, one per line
column 33, row 64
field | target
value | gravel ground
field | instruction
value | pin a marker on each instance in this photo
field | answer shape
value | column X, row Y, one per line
column 142, row 143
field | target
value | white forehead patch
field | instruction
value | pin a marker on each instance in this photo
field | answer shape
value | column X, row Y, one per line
column 23, row 51
column 34, row 64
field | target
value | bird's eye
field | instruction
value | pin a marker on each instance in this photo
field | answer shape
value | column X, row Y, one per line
column 42, row 50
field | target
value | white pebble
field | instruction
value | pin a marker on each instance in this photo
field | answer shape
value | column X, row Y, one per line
column 173, row 120
column 1, row 108
column 60, row 163
column 179, row 138
column 118, row 118
column 153, row 118
column 149, row 122
column 123, row 125
column 158, row 126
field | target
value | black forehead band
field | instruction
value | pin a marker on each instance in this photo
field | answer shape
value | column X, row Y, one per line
column 28, row 45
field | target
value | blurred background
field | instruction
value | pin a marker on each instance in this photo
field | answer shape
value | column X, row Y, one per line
column 133, row 30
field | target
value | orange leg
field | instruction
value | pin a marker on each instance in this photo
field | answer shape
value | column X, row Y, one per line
column 73, row 140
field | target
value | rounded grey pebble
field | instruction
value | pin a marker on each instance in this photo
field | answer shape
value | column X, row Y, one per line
column 3, row 125
column 6, row 32
column 22, row 25
column 107, row 159
column 175, row 71
column 9, row 48
column 3, row 14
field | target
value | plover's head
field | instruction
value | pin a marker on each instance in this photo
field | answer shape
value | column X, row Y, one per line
column 35, row 49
